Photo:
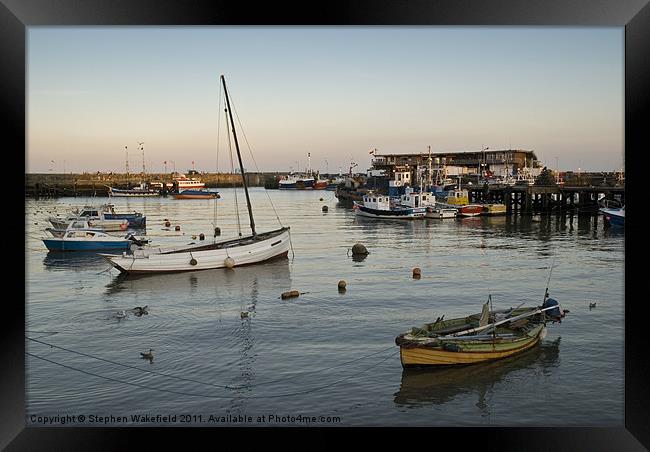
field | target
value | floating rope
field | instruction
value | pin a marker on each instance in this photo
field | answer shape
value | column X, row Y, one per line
column 202, row 382
column 291, row 394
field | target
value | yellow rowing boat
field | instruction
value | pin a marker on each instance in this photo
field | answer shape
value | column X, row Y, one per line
column 478, row 337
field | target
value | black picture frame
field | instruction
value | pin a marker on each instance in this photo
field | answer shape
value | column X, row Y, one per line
column 16, row 15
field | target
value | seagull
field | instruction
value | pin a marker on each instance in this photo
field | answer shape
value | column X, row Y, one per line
column 592, row 305
column 147, row 355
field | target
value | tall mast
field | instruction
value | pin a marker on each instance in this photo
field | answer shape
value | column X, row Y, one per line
column 142, row 149
column 126, row 148
column 241, row 165
column 429, row 178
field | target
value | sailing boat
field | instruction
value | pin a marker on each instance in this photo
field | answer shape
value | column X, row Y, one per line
column 250, row 249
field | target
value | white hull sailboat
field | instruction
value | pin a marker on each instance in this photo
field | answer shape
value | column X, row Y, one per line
column 227, row 253
column 250, row 249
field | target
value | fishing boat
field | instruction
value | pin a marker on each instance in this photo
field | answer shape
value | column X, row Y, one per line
column 615, row 217
column 88, row 240
column 321, row 184
column 143, row 190
column 441, row 212
column 305, row 183
column 287, row 182
column 196, row 194
column 243, row 250
column 382, row 206
column 459, row 198
column 477, row 338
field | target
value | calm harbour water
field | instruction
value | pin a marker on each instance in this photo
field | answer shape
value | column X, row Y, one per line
column 324, row 353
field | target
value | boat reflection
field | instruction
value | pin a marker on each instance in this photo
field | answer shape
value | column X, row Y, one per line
column 77, row 261
column 421, row 387
column 274, row 275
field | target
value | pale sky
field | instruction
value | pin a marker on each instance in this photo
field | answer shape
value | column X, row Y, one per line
column 335, row 92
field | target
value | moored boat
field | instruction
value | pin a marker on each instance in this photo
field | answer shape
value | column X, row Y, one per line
column 459, row 198
column 441, row 212
column 321, row 184
column 196, row 194
column 243, row 250
column 87, row 240
column 103, row 218
column 287, row 183
column 615, row 217
column 487, row 336
column 143, row 190
column 183, row 182
column 382, row 206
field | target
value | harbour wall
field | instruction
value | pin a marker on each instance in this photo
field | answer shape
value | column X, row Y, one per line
column 96, row 184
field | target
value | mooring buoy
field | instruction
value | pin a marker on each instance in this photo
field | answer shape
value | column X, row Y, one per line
column 417, row 273
column 358, row 248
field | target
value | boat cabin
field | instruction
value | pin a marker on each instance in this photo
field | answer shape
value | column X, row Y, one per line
column 400, row 180
column 457, row 196
column 378, row 202
column 416, row 199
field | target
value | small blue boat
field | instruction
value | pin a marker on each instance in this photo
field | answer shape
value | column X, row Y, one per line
column 615, row 217
column 88, row 240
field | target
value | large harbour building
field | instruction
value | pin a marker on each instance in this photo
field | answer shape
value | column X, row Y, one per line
column 487, row 163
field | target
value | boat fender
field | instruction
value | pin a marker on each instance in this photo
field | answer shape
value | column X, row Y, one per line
column 217, row 231
column 324, row 209
column 123, row 226
column 290, row 294
column 167, row 224
column 193, row 261
column 177, row 228
column 201, row 236
column 451, row 347
column 229, row 262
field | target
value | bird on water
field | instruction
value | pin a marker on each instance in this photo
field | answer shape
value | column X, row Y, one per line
column 147, row 355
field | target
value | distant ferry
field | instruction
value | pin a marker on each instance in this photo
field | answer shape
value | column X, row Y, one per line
column 184, row 183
